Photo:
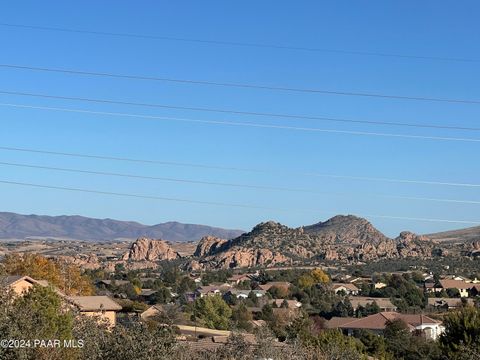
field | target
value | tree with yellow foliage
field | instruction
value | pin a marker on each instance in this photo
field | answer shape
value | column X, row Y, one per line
column 316, row 276
column 60, row 274
column 319, row 276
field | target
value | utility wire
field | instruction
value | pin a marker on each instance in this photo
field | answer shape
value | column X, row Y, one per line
column 239, row 112
column 237, row 169
column 248, row 86
column 245, row 124
column 221, row 203
column 239, row 44
column 235, row 185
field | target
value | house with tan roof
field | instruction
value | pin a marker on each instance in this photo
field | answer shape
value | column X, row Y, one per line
column 376, row 323
column 18, row 284
column 291, row 304
column 284, row 285
column 99, row 306
column 463, row 287
column 152, row 311
column 347, row 288
column 238, row 278
column 448, row 303
column 211, row 290
column 383, row 303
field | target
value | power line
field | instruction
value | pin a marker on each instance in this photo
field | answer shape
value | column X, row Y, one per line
column 239, row 169
column 220, row 203
column 239, row 44
column 235, row 185
column 245, row 124
column 239, row 112
column 248, row 86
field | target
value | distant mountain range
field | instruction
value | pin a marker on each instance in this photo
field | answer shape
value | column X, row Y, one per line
column 462, row 235
column 16, row 226
column 339, row 229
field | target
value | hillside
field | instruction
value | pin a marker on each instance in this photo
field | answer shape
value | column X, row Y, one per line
column 341, row 238
column 471, row 234
column 83, row 228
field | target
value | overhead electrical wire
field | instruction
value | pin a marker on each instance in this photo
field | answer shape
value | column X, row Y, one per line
column 151, row 197
column 238, row 112
column 236, row 185
column 245, row 124
column 239, row 43
column 237, row 169
column 250, row 86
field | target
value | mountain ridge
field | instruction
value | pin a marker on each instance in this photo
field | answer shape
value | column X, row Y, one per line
column 341, row 238
column 18, row 226
column 461, row 235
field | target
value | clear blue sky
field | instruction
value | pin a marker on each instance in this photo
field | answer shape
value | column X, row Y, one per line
column 427, row 28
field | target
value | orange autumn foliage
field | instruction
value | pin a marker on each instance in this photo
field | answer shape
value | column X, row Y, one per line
column 66, row 277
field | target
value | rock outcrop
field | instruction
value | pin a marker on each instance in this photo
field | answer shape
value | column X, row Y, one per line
column 413, row 245
column 342, row 238
column 90, row 262
column 244, row 257
column 208, row 245
column 144, row 249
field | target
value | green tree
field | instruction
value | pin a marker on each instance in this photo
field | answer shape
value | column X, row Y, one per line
column 374, row 345
column 397, row 337
column 38, row 314
column 213, row 312
column 462, row 330
column 334, row 345
column 242, row 318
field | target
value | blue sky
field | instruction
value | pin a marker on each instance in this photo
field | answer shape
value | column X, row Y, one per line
column 426, row 29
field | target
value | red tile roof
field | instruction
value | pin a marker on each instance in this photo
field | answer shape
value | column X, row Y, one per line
column 378, row 321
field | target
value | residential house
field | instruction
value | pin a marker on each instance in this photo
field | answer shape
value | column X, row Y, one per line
column 238, row 278
column 463, row 287
column 147, row 294
column 431, row 287
column 259, row 293
column 152, row 311
column 18, row 284
column 377, row 323
column 99, row 306
column 238, row 294
column 379, row 285
column 291, row 304
column 336, row 322
column 244, row 294
column 210, row 290
column 284, row 285
column 448, row 303
column 347, row 288
column 383, row 303
column 109, row 283
column 360, row 280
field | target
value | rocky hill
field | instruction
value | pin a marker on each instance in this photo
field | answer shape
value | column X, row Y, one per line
column 351, row 229
column 16, row 226
column 150, row 250
column 471, row 234
column 342, row 238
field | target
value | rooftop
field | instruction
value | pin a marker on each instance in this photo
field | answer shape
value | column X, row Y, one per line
column 94, row 303
column 378, row 321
